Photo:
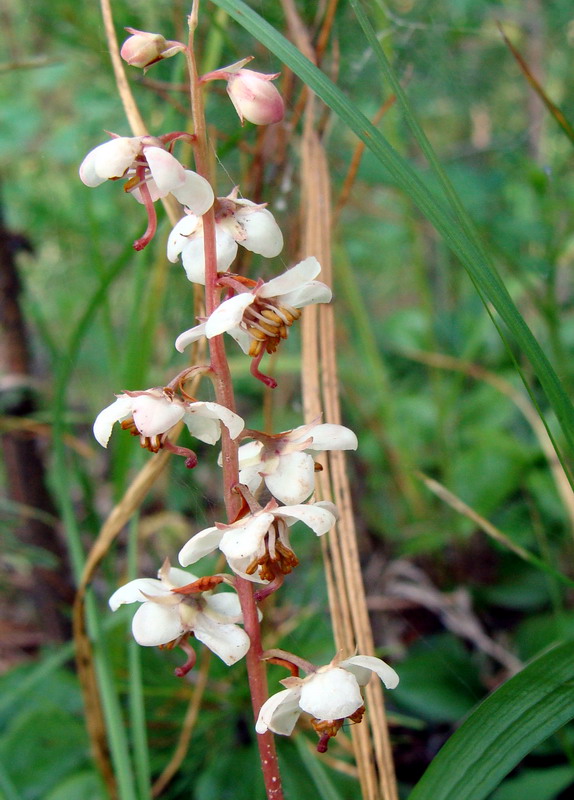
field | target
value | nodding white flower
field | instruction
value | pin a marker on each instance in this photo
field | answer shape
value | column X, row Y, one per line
column 237, row 221
column 257, row 545
column 255, row 98
column 142, row 49
column 330, row 695
column 283, row 460
column 152, row 172
column 151, row 414
column 259, row 315
column 253, row 95
column 169, row 615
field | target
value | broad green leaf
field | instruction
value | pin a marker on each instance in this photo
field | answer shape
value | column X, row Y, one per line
column 503, row 729
column 536, row 784
column 454, row 225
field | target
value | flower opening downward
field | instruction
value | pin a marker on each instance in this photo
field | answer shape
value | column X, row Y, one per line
column 331, row 694
column 259, row 315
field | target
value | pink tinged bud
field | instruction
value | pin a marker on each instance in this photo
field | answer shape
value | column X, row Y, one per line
column 143, row 49
column 255, row 98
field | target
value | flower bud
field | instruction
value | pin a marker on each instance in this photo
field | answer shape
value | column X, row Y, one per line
column 255, row 98
column 143, row 49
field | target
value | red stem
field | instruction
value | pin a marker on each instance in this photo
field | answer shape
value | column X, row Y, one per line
column 225, row 396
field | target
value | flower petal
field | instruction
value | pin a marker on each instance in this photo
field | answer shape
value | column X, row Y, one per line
column 280, row 713
column 319, row 519
column 106, row 419
column 155, row 624
column 180, row 234
column 187, row 337
column 311, row 292
column 333, row 694
column 251, row 477
column 195, row 192
column 193, row 257
column 136, row 591
column 229, row 642
column 293, row 278
column 154, row 415
column 223, row 607
column 165, row 169
column 204, row 542
column 243, row 541
column 228, row 315
column 262, row 234
column 180, row 577
column 362, row 666
column 109, row 160
column 249, row 454
column 332, row 437
column 293, row 479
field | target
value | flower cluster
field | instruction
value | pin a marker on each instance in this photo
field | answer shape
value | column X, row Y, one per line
column 276, row 470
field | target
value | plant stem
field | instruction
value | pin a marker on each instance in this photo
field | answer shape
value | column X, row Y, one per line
column 225, row 396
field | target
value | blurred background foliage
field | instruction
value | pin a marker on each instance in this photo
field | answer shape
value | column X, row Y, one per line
column 427, row 383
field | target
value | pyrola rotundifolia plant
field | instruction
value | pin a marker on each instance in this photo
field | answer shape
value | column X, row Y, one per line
column 268, row 481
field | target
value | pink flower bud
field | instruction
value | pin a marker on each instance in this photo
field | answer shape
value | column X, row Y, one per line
column 255, row 98
column 143, row 49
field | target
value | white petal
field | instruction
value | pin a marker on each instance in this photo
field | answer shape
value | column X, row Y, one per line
column 203, row 427
column 187, row 337
column 332, row 437
column 180, row 577
column 155, row 415
column 228, row 315
column 319, row 519
column 224, row 607
column 249, row 454
column 204, row 542
column 165, row 169
column 193, row 256
column 154, row 624
column 136, row 591
column 312, row 292
column 244, row 541
column 250, row 477
column 229, row 642
column 180, row 234
column 293, row 480
column 280, row 713
column 362, row 666
column 109, row 160
column 333, row 694
column 106, row 419
column 152, row 188
column 300, row 274
column 195, row 192
column 262, row 234
column 242, row 338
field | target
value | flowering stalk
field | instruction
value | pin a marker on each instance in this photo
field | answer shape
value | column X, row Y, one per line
column 230, row 462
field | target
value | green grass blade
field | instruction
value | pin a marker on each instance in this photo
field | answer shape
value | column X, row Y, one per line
column 323, row 784
column 489, row 284
column 521, row 714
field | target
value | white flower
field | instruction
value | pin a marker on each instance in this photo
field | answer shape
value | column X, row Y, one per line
column 283, row 460
column 330, row 695
column 258, row 317
column 142, row 49
column 146, row 159
column 257, row 545
column 237, row 221
column 151, row 171
column 151, row 414
column 167, row 616
column 255, row 98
